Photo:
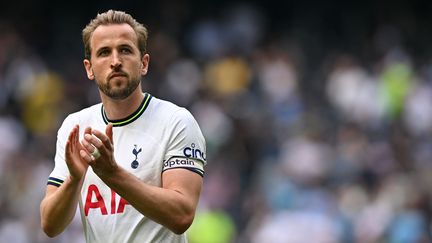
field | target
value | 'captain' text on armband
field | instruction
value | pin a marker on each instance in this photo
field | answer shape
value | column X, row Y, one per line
column 181, row 162
column 178, row 162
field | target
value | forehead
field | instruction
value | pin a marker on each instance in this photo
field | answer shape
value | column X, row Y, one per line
column 113, row 34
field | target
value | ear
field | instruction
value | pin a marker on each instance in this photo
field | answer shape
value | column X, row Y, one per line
column 88, row 68
column 144, row 64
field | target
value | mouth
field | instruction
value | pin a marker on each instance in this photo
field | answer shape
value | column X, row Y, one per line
column 117, row 74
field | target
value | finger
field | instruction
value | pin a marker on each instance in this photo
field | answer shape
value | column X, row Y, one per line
column 71, row 140
column 92, row 139
column 76, row 135
column 87, row 157
column 109, row 132
column 87, row 130
column 68, row 147
column 103, row 138
column 87, row 144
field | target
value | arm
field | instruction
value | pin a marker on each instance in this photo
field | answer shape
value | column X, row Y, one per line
column 59, row 205
column 172, row 205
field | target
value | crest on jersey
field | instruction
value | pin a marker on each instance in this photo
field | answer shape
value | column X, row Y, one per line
column 135, row 163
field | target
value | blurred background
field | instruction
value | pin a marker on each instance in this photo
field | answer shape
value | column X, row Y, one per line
column 317, row 115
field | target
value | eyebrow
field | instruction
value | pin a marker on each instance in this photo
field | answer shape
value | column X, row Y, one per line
column 125, row 45
column 102, row 49
column 107, row 48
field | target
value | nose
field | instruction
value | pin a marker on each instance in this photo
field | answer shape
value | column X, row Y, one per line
column 115, row 60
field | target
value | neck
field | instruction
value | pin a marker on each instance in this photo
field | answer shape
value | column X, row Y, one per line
column 119, row 109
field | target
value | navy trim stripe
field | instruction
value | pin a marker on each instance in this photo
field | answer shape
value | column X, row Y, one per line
column 54, row 181
column 198, row 171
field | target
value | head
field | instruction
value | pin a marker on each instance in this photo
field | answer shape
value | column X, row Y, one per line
column 115, row 53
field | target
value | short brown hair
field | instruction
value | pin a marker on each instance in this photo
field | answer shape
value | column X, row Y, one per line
column 114, row 17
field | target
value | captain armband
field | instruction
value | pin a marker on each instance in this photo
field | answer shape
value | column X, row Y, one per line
column 194, row 165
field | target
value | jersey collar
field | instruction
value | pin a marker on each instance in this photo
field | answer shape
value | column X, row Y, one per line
column 130, row 118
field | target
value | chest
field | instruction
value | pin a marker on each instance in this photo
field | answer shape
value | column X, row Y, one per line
column 138, row 151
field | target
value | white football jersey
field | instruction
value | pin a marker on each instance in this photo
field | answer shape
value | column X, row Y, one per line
column 158, row 136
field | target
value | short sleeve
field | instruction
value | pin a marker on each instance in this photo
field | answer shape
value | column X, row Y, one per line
column 61, row 171
column 186, row 145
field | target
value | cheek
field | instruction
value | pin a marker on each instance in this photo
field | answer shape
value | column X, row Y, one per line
column 99, row 72
column 134, row 70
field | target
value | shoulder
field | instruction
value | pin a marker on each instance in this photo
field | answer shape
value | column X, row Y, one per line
column 169, row 111
column 164, row 105
column 83, row 115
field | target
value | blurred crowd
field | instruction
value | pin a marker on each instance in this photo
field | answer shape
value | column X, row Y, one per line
column 306, row 141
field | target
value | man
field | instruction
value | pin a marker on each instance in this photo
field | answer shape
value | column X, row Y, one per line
column 136, row 169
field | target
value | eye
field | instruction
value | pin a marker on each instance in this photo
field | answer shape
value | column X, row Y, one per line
column 125, row 50
column 103, row 53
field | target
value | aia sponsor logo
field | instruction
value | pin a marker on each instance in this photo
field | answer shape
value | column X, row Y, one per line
column 95, row 201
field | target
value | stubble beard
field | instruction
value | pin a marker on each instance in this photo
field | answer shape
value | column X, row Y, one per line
column 119, row 93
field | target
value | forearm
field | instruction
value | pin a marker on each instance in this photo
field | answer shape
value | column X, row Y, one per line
column 168, row 207
column 59, row 207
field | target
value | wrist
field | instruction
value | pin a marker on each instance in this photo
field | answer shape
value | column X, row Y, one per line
column 75, row 180
column 107, row 175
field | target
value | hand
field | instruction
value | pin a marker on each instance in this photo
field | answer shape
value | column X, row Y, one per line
column 105, row 164
column 76, row 165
